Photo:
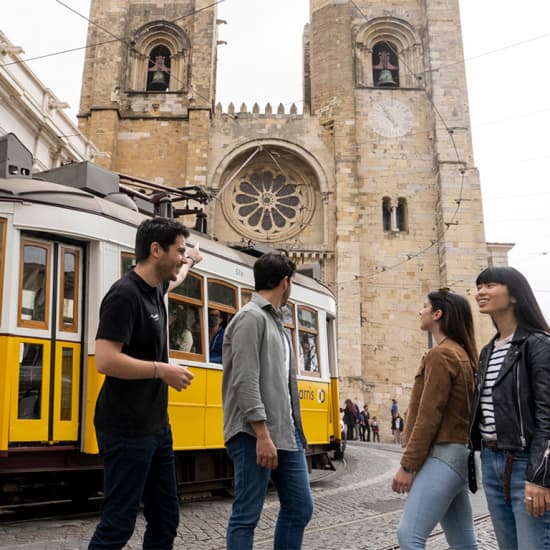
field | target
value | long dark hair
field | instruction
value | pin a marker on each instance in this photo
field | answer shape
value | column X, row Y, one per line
column 456, row 320
column 526, row 309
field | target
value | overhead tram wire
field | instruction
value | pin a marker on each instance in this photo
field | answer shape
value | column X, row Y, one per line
column 117, row 39
column 124, row 40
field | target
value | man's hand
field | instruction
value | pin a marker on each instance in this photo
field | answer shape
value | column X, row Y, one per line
column 266, row 452
column 176, row 376
column 194, row 254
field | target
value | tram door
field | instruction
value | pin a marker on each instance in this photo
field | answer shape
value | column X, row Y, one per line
column 45, row 356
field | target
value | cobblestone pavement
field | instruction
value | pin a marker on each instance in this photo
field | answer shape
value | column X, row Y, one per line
column 354, row 509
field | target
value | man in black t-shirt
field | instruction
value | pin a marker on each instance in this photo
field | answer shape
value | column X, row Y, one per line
column 131, row 418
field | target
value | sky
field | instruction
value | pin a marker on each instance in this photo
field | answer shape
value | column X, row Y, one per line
column 506, row 47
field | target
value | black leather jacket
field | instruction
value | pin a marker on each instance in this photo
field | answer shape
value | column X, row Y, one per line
column 521, row 398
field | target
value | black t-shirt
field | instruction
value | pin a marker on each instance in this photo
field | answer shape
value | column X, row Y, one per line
column 134, row 313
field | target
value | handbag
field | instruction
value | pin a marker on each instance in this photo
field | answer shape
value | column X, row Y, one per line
column 472, row 478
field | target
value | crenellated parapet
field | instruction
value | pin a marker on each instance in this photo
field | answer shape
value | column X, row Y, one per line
column 268, row 112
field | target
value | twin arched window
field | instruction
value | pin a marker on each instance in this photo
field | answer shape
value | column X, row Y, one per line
column 394, row 216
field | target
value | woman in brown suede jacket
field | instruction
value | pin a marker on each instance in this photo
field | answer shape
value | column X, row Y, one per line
column 434, row 464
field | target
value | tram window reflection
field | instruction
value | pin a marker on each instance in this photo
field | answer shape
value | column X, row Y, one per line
column 217, row 322
column 185, row 327
column 308, row 353
column 222, row 306
column 30, row 381
column 33, row 300
column 307, row 338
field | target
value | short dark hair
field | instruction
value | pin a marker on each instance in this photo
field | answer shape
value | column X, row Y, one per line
column 271, row 268
column 526, row 309
column 456, row 321
column 157, row 230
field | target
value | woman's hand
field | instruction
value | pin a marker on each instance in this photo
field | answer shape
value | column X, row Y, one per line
column 402, row 481
column 537, row 499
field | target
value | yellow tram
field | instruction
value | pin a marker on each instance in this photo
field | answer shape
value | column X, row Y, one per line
column 61, row 248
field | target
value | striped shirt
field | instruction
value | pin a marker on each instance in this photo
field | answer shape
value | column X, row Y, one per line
column 487, row 424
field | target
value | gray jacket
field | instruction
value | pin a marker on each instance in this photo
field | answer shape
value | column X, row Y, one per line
column 255, row 386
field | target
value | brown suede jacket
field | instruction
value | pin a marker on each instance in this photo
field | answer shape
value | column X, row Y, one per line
column 439, row 409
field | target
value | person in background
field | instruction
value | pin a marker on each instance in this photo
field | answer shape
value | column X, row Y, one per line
column 216, row 329
column 375, row 430
column 351, row 418
column 181, row 338
column 131, row 414
column 394, row 408
column 393, row 412
column 397, row 428
column 263, row 430
column 434, row 465
column 365, row 424
column 511, row 411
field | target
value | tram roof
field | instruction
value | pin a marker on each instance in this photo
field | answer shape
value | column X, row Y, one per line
column 54, row 194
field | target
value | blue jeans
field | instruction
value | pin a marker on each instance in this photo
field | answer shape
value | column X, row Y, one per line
column 438, row 495
column 514, row 528
column 136, row 469
column 251, row 481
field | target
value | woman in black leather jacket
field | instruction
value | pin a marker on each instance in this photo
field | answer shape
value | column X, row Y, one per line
column 511, row 411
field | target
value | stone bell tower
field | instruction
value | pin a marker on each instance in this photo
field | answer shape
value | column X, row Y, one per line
column 373, row 186
column 148, row 87
column 388, row 80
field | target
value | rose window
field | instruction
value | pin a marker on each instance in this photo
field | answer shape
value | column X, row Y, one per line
column 269, row 205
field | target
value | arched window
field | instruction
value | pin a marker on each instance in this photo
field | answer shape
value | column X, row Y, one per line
column 159, row 60
column 401, row 215
column 158, row 72
column 385, row 65
column 394, row 218
column 386, row 214
column 388, row 54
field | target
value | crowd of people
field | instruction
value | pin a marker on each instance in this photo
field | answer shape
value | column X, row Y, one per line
column 497, row 403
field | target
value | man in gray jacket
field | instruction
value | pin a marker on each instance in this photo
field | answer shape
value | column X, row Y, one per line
column 262, row 425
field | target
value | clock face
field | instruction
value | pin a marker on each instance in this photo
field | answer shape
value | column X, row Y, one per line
column 390, row 118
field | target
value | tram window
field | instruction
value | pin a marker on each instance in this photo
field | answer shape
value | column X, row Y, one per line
column 246, row 296
column 289, row 323
column 222, row 294
column 2, row 250
column 190, row 288
column 30, row 381
column 308, row 339
column 69, row 284
column 34, row 285
column 185, row 327
column 127, row 262
column 66, row 384
column 185, row 312
column 222, row 305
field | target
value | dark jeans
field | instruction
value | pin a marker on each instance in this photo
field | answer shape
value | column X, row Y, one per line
column 363, row 428
column 292, row 483
column 136, row 469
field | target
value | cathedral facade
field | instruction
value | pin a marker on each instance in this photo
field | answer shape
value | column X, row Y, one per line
column 372, row 188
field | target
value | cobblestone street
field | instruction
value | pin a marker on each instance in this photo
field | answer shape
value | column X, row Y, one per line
column 354, row 509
